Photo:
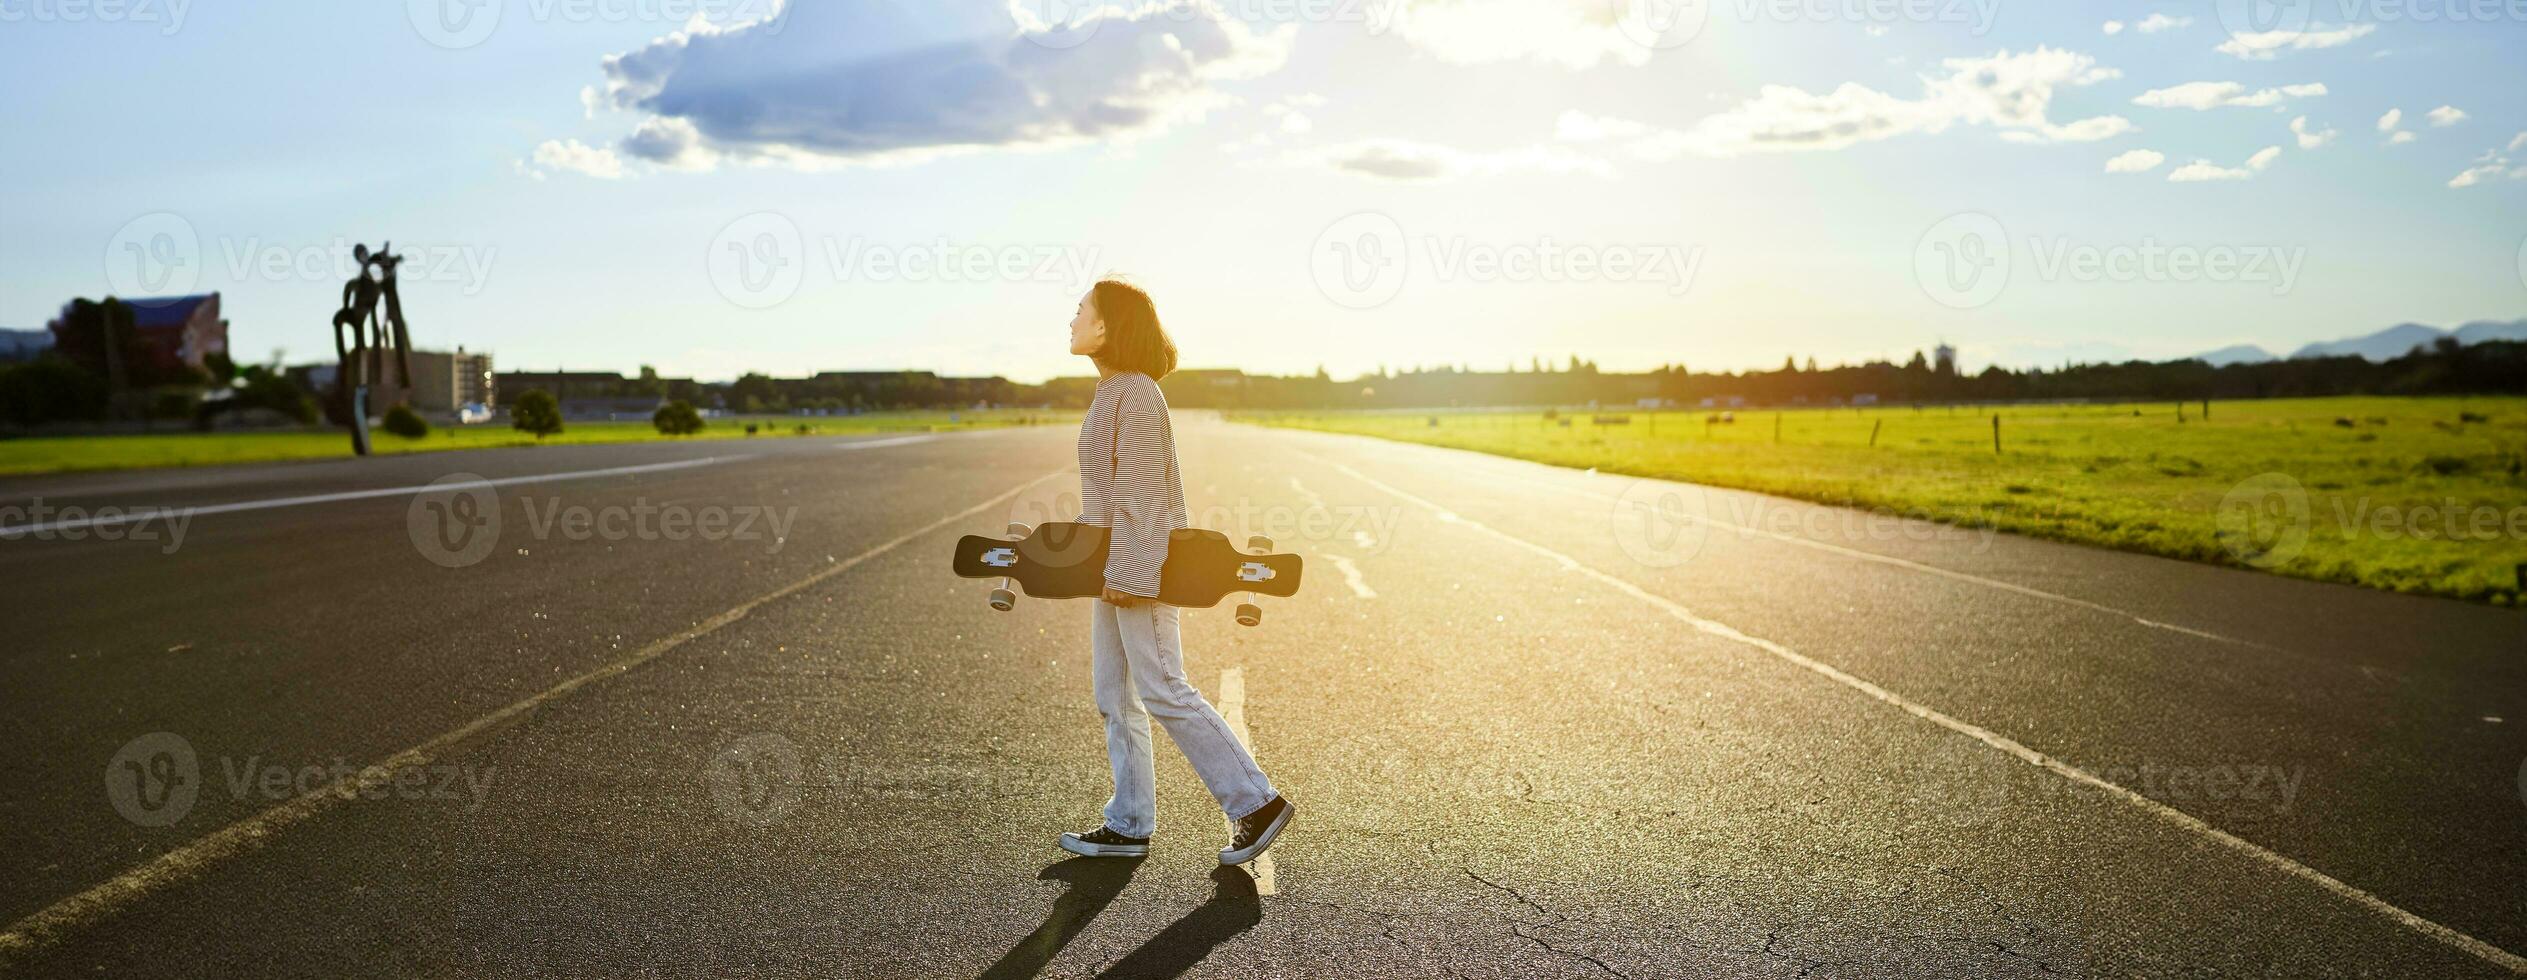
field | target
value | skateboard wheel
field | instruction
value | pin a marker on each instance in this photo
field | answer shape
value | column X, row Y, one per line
column 1003, row 599
column 1019, row 531
column 1258, row 543
column 1249, row 614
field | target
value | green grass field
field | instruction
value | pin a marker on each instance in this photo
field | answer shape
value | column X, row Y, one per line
column 20, row 457
column 2381, row 478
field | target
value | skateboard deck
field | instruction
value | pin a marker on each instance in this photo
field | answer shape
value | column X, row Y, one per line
column 1063, row 560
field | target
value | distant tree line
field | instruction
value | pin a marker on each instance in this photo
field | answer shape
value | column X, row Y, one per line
column 77, row 382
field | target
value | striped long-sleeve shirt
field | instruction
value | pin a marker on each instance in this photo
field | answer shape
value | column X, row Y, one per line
column 1128, row 480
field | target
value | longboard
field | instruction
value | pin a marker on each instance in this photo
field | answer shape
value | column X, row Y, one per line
column 1065, row 560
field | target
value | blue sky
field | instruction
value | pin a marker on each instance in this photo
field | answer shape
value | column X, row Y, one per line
column 717, row 186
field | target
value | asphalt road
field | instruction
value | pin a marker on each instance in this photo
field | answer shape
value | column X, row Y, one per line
column 717, row 709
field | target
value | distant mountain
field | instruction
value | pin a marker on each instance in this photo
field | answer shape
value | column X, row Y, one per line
column 2239, row 354
column 2483, row 330
column 2385, row 345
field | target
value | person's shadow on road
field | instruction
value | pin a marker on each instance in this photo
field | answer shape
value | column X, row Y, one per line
column 1233, row 908
column 1094, row 882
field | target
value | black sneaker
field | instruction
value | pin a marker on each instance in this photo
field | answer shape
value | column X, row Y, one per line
column 1104, row 842
column 1255, row 831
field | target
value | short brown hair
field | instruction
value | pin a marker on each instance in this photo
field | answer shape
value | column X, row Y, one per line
column 1134, row 340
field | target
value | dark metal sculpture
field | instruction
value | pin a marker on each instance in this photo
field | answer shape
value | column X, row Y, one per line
column 362, row 352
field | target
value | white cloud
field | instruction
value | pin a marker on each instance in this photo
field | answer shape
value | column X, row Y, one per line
column 2135, row 162
column 2010, row 93
column 2387, row 124
column 2155, row 23
column 2445, row 116
column 577, row 157
column 2214, row 95
column 2517, row 141
column 2113, row 27
column 2267, row 45
column 2492, row 164
column 821, row 84
column 2310, row 138
column 1410, row 160
column 1573, row 35
column 2202, row 170
column 2205, row 170
column 1640, row 141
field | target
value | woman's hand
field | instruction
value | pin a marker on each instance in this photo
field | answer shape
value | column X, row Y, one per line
column 1118, row 597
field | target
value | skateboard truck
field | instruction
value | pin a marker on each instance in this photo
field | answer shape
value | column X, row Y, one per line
column 1004, row 598
column 1248, row 613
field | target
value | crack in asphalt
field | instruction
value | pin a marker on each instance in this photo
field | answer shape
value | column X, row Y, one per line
column 1519, row 929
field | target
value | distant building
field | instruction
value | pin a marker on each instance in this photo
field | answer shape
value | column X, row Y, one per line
column 619, row 408
column 1944, row 360
column 170, row 333
column 24, row 345
column 444, row 382
column 561, row 384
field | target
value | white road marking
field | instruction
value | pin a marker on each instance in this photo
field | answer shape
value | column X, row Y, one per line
column 130, row 516
column 881, row 443
column 1351, row 575
column 2468, row 944
column 194, row 857
column 1312, row 499
column 1871, row 556
column 1232, row 709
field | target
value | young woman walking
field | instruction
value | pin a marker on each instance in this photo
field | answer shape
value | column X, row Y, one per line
column 1128, row 483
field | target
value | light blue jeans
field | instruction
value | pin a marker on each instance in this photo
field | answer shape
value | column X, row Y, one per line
column 1139, row 668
